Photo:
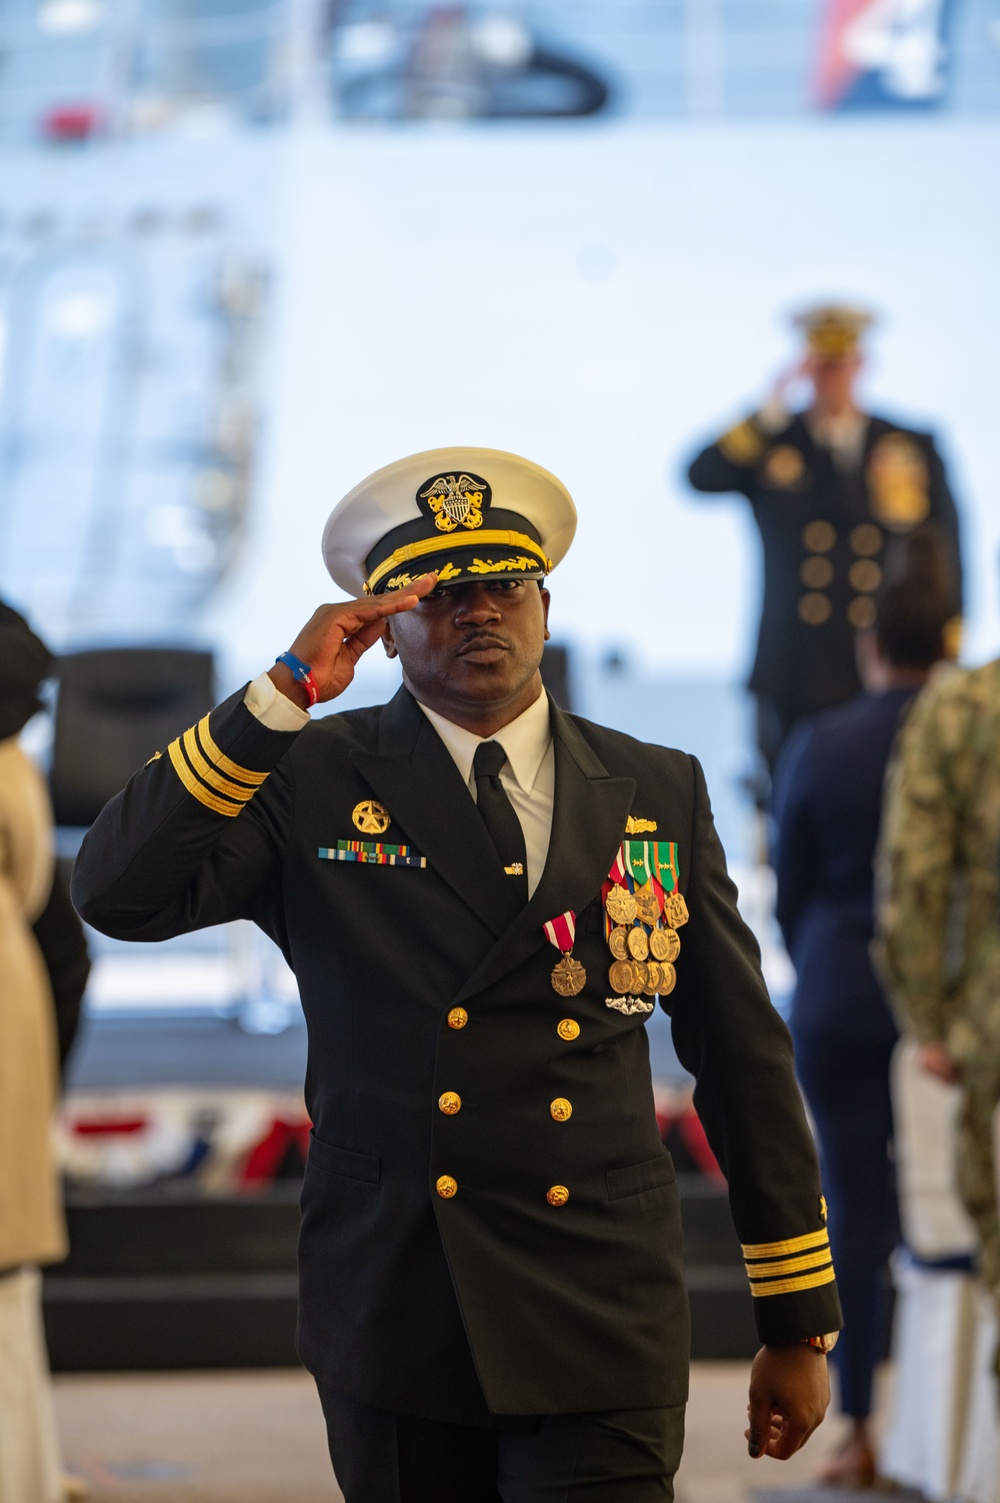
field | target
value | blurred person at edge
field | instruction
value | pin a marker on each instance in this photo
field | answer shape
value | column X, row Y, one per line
column 830, row 487
column 826, row 806
column 938, row 906
column 42, row 958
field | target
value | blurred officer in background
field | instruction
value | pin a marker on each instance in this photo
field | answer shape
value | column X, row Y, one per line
column 830, row 488
column 827, row 806
column 939, row 915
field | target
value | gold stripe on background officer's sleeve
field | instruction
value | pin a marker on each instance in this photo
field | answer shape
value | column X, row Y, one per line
column 742, row 444
column 790, row 1265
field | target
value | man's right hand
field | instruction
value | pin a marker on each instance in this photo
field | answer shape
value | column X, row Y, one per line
column 336, row 636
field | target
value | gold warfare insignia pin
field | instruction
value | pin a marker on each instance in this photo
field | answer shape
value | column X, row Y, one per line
column 455, row 501
column 370, row 817
column 634, row 826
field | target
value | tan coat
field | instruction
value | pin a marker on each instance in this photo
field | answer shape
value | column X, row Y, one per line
column 32, row 1229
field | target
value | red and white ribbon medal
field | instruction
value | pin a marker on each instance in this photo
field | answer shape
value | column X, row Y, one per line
column 568, row 975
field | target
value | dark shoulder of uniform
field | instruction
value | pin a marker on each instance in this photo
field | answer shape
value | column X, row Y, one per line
column 625, row 755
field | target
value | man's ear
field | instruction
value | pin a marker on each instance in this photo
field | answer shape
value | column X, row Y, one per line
column 546, row 601
column 387, row 640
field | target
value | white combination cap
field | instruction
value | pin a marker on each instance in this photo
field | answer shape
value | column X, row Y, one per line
column 467, row 513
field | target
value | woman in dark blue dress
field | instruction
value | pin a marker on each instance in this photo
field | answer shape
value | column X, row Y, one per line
column 826, row 807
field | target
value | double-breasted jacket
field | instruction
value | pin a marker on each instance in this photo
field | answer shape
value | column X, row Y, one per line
column 416, row 993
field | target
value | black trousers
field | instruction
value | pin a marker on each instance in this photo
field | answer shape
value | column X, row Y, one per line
column 625, row 1456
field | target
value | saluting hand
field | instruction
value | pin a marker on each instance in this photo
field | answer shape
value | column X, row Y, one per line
column 789, row 1396
column 336, row 636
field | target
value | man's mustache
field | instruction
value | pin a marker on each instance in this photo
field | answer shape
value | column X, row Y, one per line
column 483, row 639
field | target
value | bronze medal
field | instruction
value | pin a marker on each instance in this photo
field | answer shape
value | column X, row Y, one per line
column 568, row 977
column 665, row 944
column 640, row 972
column 622, row 976
column 618, row 942
column 654, row 978
column 621, row 905
column 675, row 910
column 638, row 944
column 646, row 905
column 669, row 980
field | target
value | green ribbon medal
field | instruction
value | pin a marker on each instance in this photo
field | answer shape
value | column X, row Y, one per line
column 637, row 861
column 664, row 858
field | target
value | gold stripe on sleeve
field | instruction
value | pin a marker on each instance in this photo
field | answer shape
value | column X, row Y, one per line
column 191, row 783
column 224, row 763
column 788, row 1265
column 743, row 444
column 209, row 775
column 791, row 1245
column 794, row 1286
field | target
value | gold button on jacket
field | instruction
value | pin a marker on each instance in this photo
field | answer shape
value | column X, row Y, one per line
column 450, row 1103
column 458, row 1017
column 447, row 1187
column 569, row 1028
column 561, row 1109
column 557, row 1196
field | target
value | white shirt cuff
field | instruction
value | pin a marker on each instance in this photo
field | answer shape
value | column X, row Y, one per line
column 271, row 707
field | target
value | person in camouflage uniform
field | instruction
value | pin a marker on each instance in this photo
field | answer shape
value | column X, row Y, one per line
column 938, row 943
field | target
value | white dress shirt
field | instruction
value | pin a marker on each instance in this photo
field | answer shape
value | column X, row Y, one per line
column 528, row 775
column 843, row 434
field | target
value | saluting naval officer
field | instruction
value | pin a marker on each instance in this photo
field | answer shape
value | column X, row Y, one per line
column 831, row 488
column 481, row 897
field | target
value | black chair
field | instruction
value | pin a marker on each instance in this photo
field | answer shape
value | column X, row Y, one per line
column 556, row 675
column 116, row 707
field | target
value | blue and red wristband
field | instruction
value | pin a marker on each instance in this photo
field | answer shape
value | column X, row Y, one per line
column 302, row 673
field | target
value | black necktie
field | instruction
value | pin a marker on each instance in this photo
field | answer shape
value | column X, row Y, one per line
column 502, row 824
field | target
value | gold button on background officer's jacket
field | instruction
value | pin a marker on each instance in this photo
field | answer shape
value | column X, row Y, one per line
column 818, row 537
column 815, row 609
column 816, row 572
column 569, row 1028
column 861, row 612
column 561, row 1109
column 557, row 1196
column 446, row 1187
column 865, row 576
column 867, row 539
column 458, row 1017
column 450, row 1103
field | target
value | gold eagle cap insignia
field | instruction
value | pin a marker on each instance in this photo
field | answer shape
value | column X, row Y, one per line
column 455, row 502
column 634, row 826
column 370, row 817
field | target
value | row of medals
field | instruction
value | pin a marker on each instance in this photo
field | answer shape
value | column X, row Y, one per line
column 644, row 962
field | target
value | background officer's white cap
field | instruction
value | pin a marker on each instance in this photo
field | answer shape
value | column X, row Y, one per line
column 833, row 330
column 468, row 513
